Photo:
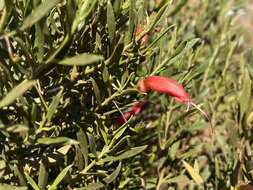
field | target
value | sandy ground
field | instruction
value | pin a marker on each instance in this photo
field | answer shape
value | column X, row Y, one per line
column 246, row 22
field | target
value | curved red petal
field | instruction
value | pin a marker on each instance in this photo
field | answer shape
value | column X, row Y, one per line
column 164, row 85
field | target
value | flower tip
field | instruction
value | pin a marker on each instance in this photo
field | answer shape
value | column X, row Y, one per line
column 141, row 86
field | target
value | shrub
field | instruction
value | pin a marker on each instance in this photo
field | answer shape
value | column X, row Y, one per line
column 70, row 68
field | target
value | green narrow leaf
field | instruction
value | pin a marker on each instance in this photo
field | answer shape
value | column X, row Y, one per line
column 193, row 173
column 2, row 167
column 20, row 175
column 175, row 9
column 103, row 133
column 132, row 18
column 119, row 143
column 107, row 180
column 82, row 139
column 110, row 21
column 124, row 77
column 96, row 90
column 59, row 178
column 83, row 59
column 6, row 9
column 178, row 54
column 31, row 182
column 113, row 175
column 43, row 176
column 163, row 33
column 16, row 92
column 130, row 153
column 4, row 186
column 106, row 74
column 119, row 132
column 174, row 149
column 53, row 106
column 116, row 54
column 39, row 36
column 178, row 179
column 116, row 6
column 56, row 140
column 92, row 145
column 18, row 128
column 157, row 17
column 79, row 161
column 39, row 40
column 245, row 95
column 84, row 11
column 39, row 13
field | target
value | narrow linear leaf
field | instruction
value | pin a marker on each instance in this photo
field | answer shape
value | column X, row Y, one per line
column 93, row 186
column 92, row 145
column 82, row 138
column 157, row 17
column 82, row 13
column 2, row 167
column 56, row 140
column 6, row 9
column 107, row 180
column 117, row 6
column 4, row 186
column 119, row 143
column 16, row 92
column 178, row 54
column 132, row 17
column 119, row 132
column 106, row 74
column 18, row 128
column 110, row 21
column 20, row 175
column 113, row 175
column 245, row 95
column 59, row 178
column 194, row 174
column 39, row 39
column 103, row 133
column 31, row 182
column 43, row 176
column 130, row 153
column 159, row 37
column 96, row 90
column 178, row 179
column 83, row 59
column 53, row 106
column 39, row 13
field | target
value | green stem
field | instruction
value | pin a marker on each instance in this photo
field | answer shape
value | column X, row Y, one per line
column 41, row 97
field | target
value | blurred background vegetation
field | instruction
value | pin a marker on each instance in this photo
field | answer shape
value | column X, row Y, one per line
column 69, row 69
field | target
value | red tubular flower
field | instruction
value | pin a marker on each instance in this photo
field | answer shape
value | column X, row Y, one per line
column 164, row 85
column 135, row 110
column 169, row 87
column 122, row 119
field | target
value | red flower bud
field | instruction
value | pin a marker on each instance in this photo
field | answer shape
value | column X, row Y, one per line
column 138, row 31
column 157, row 29
column 122, row 119
column 135, row 110
column 164, row 85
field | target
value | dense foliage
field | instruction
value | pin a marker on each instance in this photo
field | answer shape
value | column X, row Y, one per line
column 69, row 69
